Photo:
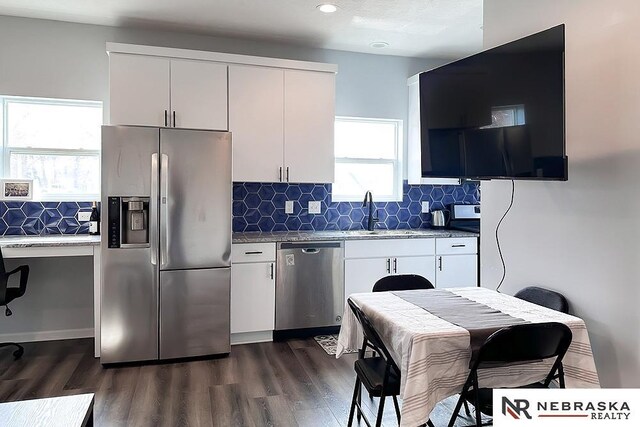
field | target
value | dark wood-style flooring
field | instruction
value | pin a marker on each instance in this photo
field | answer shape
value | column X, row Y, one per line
column 292, row 383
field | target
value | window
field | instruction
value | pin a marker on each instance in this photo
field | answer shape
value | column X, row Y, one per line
column 506, row 116
column 368, row 153
column 56, row 143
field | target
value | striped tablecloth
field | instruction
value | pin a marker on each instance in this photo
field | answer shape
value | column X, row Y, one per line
column 433, row 354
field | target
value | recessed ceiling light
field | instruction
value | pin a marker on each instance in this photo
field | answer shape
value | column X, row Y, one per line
column 379, row 45
column 327, row 8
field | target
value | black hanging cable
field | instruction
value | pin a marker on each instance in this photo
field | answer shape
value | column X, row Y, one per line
column 504, row 266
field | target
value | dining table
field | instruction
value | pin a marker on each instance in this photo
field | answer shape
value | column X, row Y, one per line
column 432, row 335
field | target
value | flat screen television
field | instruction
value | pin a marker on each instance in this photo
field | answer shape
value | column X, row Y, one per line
column 497, row 114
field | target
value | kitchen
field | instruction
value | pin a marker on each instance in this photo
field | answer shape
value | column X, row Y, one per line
column 74, row 58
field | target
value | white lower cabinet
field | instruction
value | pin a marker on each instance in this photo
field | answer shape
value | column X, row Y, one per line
column 456, row 262
column 445, row 262
column 361, row 274
column 421, row 265
column 367, row 261
column 253, row 292
column 454, row 271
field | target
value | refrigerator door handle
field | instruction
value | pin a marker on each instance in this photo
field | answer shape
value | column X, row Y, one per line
column 153, row 211
column 164, row 201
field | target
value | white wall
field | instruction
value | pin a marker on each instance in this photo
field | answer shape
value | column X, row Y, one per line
column 580, row 237
column 63, row 60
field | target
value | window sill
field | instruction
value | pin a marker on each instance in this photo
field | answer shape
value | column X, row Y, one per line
column 359, row 199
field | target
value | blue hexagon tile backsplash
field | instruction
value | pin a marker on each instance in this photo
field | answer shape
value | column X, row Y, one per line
column 260, row 207
column 42, row 218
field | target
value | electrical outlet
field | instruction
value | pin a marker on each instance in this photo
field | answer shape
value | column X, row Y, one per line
column 84, row 216
column 425, row 207
column 288, row 207
column 314, row 207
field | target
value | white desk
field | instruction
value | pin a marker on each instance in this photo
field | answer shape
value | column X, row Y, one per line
column 60, row 246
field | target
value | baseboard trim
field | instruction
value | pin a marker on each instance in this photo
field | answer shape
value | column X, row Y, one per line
column 65, row 334
column 251, row 337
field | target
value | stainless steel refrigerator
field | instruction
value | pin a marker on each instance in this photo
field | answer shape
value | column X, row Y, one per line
column 166, row 243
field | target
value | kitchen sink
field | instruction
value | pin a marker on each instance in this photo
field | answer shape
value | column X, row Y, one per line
column 382, row 232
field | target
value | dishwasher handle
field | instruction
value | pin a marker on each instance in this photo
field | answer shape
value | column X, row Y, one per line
column 309, row 247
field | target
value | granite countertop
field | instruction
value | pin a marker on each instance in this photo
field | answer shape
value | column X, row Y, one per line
column 48, row 241
column 303, row 236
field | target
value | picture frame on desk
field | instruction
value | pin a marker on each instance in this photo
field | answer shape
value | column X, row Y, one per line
column 16, row 189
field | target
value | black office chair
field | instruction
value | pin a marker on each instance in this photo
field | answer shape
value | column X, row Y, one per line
column 544, row 297
column 402, row 282
column 8, row 294
column 522, row 343
column 379, row 374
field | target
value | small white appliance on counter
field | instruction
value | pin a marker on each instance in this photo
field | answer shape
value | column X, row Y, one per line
column 166, row 243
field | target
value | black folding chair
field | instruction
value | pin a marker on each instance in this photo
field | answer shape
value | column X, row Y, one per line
column 516, row 344
column 402, row 282
column 379, row 374
column 536, row 295
column 544, row 297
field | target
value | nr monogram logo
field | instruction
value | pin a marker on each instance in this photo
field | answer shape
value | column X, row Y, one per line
column 517, row 408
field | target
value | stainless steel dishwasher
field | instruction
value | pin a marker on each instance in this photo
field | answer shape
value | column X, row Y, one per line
column 309, row 284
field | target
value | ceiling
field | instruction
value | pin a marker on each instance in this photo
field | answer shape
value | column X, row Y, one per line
column 421, row 28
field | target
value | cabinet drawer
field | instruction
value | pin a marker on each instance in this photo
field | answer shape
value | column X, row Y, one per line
column 253, row 252
column 389, row 248
column 457, row 245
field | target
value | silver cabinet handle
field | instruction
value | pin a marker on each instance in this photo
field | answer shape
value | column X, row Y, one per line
column 165, row 118
column 287, row 173
column 271, row 274
column 280, row 174
column 153, row 211
column 311, row 251
column 164, row 201
column 174, row 118
column 440, row 263
column 388, row 265
column 395, row 265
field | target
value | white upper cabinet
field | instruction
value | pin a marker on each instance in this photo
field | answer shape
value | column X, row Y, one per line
column 153, row 91
column 281, row 112
column 138, row 90
column 198, row 95
column 256, row 119
column 309, row 116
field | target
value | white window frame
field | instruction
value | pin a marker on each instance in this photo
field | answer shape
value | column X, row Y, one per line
column 7, row 150
column 397, row 162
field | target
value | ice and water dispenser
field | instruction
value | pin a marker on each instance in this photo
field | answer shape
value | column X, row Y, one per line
column 128, row 222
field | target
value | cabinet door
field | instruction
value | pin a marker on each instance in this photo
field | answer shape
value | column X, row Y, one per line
column 256, row 115
column 424, row 266
column 138, row 90
column 198, row 95
column 361, row 274
column 253, row 297
column 456, row 271
column 309, row 116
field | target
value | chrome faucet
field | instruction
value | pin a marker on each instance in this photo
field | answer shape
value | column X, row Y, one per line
column 371, row 222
